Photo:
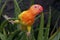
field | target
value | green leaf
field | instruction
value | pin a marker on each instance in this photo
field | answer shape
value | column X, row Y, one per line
column 3, row 24
column 48, row 25
column 20, row 1
column 12, row 35
column 32, row 35
column 2, row 37
column 41, row 28
column 56, row 35
column 1, row 10
column 32, row 2
column 38, row 17
column 21, row 34
column 56, row 23
column 17, row 9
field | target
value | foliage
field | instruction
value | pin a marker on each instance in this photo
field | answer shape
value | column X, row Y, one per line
column 9, row 31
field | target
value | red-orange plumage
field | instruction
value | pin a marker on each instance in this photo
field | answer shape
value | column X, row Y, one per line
column 27, row 17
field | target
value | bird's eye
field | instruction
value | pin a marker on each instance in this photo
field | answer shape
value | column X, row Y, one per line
column 35, row 6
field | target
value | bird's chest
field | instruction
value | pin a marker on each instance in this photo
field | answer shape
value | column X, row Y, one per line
column 28, row 18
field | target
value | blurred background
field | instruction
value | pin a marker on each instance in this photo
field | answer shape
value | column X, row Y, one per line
column 25, row 4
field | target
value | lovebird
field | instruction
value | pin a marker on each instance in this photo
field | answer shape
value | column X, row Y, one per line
column 28, row 16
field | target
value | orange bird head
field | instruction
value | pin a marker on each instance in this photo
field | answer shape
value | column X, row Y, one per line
column 36, row 9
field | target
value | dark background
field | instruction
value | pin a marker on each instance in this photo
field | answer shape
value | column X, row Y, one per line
column 25, row 4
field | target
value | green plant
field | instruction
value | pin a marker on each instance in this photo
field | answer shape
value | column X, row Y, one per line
column 14, row 33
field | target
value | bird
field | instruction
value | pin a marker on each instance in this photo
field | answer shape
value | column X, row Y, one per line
column 27, row 17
